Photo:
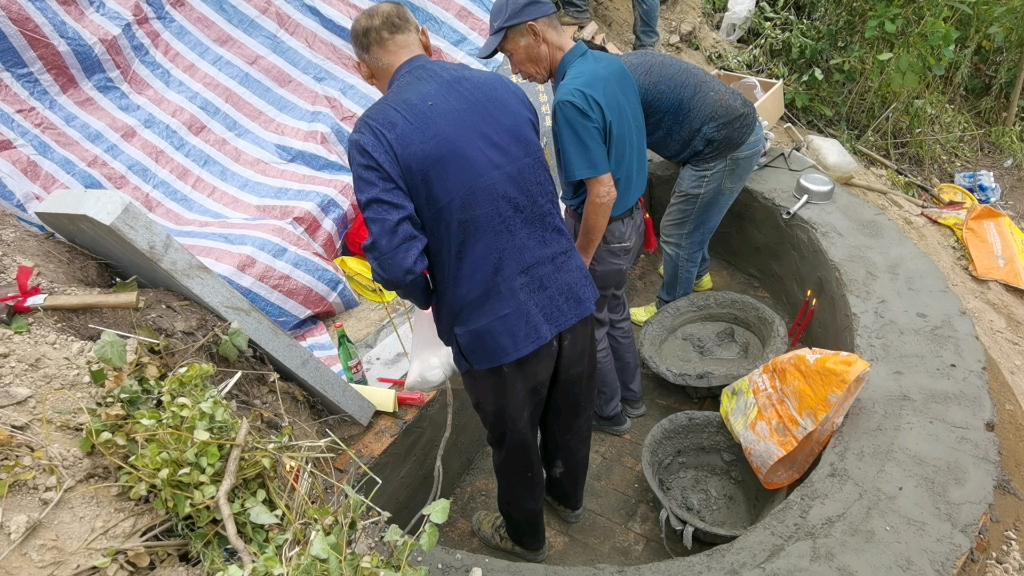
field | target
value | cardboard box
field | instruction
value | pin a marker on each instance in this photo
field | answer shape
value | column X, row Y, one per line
column 771, row 106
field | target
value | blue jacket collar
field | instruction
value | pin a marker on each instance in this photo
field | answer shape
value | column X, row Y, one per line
column 406, row 66
column 571, row 56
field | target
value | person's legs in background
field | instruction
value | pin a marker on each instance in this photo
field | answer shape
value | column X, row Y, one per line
column 645, row 24
column 701, row 197
column 574, row 12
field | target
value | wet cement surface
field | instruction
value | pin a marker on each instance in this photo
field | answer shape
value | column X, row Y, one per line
column 712, row 344
column 703, row 476
column 620, row 526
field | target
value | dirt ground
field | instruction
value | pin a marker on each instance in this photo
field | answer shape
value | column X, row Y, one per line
column 81, row 512
column 684, row 30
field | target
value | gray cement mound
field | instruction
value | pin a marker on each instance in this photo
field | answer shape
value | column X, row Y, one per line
column 708, row 340
column 699, row 472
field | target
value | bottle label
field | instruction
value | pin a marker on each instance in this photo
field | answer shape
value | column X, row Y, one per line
column 355, row 367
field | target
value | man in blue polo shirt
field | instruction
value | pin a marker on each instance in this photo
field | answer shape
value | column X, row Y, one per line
column 451, row 177
column 601, row 149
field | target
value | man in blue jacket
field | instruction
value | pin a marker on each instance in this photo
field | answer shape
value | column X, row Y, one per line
column 601, row 148
column 451, row 179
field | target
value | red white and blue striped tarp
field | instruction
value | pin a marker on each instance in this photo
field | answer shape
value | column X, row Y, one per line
column 226, row 120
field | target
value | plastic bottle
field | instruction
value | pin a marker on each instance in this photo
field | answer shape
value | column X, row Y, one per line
column 349, row 356
column 981, row 183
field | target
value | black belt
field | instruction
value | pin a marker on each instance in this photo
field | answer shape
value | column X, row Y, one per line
column 629, row 212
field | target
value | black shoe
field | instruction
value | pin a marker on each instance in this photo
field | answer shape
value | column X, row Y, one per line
column 570, row 516
column 617, row 425
column 634, row 408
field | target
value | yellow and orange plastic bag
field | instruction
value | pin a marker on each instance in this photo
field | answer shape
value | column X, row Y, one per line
column 996, row 245
column 784, row 413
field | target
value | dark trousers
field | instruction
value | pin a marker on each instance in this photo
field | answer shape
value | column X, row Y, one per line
column 618, row 362
column 550, row 390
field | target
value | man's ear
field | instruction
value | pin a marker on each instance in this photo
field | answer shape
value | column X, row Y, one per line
column 425, row 42
column 533, row 32
column 366, row 73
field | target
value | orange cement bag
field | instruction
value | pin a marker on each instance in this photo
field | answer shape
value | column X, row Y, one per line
column 784, row 412
column 995, row 244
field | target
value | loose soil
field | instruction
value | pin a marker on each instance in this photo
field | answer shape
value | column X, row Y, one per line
column 683, row 28
column 39, row 434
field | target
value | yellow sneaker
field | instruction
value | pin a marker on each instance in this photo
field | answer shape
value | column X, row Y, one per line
column 661, row 270
column 703, row 284
column 642, row 314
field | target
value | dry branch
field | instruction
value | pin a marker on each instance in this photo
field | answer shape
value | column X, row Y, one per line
column 230, row 477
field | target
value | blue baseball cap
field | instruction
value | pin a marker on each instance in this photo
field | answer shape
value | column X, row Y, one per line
column 508, row 13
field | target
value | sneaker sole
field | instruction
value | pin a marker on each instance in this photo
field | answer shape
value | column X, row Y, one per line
column 631, row 413
column 569, row 517
column 614, row 430
column 529, row 556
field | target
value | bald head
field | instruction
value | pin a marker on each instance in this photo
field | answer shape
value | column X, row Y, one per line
column 380, row 26
column 384, row 36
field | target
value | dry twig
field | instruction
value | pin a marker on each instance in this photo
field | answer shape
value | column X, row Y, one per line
column 230, row 476
column 37, row 522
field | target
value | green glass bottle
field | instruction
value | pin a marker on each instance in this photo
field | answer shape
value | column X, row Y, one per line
column 349, row 357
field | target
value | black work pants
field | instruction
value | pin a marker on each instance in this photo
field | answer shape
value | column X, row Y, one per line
column 550, row 390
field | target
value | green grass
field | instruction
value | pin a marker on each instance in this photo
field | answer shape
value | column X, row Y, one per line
column 920, row 82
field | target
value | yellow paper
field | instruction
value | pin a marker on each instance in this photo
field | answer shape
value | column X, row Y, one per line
column 384, row 399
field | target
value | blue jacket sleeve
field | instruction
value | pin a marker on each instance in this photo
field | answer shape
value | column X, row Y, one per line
column 395, row 247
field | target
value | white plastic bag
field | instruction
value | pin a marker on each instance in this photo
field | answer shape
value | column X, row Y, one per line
column 430, row 361
column 833, row 159
column 737, row 19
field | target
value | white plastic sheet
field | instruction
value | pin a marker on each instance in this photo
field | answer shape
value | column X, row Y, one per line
column 737, row 19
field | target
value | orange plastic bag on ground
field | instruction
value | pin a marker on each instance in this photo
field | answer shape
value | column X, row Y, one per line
column 996, row 245
column 784, row 412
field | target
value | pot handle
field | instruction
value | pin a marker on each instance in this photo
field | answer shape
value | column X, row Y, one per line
column 663, row 519
column 792, row 211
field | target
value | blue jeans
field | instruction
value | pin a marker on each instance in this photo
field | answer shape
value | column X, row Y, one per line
column 645, row 19
column 700, row 199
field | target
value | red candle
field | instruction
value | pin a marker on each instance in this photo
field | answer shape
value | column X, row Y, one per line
column 810, row 314
column 799, row 315
column 412, row 398
column 395, row 381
